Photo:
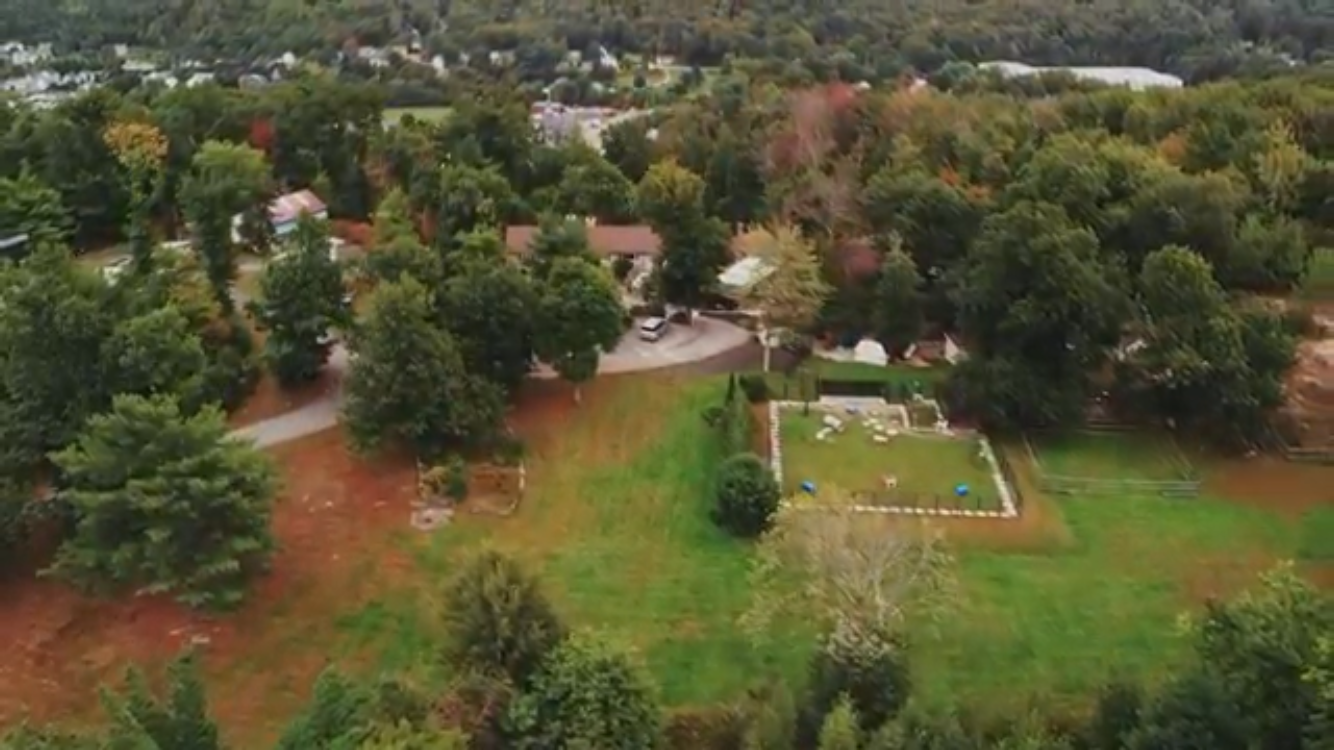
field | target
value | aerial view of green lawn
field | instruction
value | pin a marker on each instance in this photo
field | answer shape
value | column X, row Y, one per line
column 924, row 469
column 616, row 522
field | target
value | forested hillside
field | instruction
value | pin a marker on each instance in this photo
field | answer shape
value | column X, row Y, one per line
column 1197, row 38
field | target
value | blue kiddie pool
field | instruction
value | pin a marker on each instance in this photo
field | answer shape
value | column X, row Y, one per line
column 961, row 490
column 808, row 487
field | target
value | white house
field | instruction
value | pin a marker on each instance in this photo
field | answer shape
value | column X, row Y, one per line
column 285, row 211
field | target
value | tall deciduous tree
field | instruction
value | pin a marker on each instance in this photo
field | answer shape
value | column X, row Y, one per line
column 898, row 302
column 28, row 206
column 408, row 382
column 580, row 316
column 1264, row 647
column 141, row 149
column 226, row 179
column 1040, row 310
column 499, row 622
column 593, row 187
column 470, row 198
column 1192, row 711
column 851, row 577
column 558, row 238
column 157, row 353
column 1204, row 364
column 790, row 288
column 694, row 245
column 937, row 221
column 54, row 320
column 490, row 306
column 587, row 693
column 301, row 299
column 626, row 145
column 734, row 185
column 165, row 503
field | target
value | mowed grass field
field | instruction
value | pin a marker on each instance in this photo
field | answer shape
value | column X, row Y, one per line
column 616, row 524
column 927, row 467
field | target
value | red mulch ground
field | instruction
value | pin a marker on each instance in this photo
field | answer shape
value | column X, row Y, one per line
column 269, row 400
column 333, row 524
column 1272, row 483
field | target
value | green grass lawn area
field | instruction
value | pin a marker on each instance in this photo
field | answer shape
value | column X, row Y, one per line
column 927, row 467
column 616, row 523
column 393, row 115
column 1319, row 282
column 1110, row 455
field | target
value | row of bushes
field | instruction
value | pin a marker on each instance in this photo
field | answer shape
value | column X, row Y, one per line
column 746, row 495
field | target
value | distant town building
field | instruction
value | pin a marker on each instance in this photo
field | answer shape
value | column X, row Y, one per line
column 1137, row 79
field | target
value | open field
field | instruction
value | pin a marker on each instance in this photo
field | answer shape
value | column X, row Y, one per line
column 1111, row 455
column 393, row 115
column 616, row 522
column 927, row 467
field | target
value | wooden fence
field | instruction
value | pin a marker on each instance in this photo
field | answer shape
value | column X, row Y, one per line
column 1187, row 485
column 1091, row 486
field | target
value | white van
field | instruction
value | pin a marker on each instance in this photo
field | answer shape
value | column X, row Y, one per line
column 653, row 329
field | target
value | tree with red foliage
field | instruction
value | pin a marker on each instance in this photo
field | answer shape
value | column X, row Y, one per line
column 261, row 135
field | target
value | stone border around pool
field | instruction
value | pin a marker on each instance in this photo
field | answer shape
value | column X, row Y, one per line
column 1008, row 509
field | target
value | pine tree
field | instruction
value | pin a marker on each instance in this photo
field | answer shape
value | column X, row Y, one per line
column 142, row 721
column 166, row 503
column 498, row 620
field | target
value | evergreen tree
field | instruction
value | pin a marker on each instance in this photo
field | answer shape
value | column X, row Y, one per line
column 498, row 621
column 587, row 694
column 140, row 720
column 165, row 503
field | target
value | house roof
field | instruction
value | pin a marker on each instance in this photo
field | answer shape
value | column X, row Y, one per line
column 290, row 207
column 602, row 239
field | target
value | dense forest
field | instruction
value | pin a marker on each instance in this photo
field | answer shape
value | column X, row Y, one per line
column 871, row 40
column 1113, row 185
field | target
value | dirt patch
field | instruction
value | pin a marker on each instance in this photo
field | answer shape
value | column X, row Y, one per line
column 1271, row 483
column 1308, row 416
column 338, row 525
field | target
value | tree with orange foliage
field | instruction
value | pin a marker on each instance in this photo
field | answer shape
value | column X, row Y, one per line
column 141, row 150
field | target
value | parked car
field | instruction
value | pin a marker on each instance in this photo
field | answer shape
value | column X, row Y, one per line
column 653, row 329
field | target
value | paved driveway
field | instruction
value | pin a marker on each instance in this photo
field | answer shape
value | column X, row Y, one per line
column 683, row 344
column 706, row 339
